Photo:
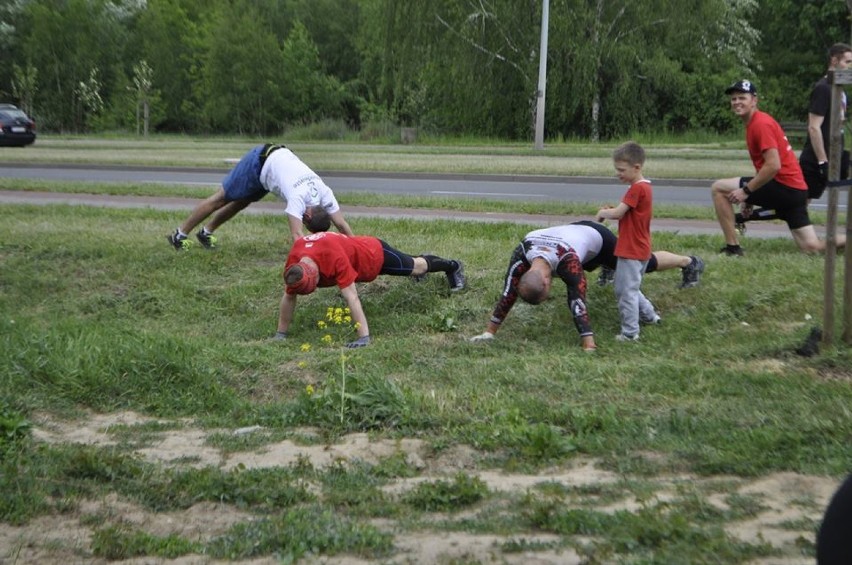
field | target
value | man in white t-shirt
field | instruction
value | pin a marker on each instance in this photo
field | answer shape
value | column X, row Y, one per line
column 566, row 252
column 266, row 168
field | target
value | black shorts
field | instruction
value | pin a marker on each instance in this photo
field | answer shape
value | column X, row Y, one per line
column 606, row 256
column 814, row 178
column 790, row 204
column 395, row 262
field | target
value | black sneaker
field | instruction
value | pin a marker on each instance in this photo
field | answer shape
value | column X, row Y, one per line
column 606, row 277
column 692, row 272
column 456, row 277
column 179, row 242
column 732, row 251
column 207, row 240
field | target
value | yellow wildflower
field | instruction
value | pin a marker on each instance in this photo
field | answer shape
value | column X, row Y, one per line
column 326, row 338
column 309, row 389
column 305, row 347
column 303, row 364
column 321, row 324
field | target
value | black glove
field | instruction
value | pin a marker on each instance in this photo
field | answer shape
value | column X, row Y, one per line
column 823, row 171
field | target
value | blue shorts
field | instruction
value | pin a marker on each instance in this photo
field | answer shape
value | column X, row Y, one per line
column 243, row 182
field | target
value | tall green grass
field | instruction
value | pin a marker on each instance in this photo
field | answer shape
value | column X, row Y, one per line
column 98, row 313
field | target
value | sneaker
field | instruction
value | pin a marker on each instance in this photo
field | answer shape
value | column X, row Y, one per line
column 178, row 242
column 741, row 217
column 656, row 319
column 625, row 337
column 456, row 277
column 606, row 277
column 692, row 272
column 732, row 251
column 207, row 240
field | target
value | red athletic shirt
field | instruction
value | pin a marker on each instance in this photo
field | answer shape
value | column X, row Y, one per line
column 341, row 260
column 634, row 227
column 762, row 133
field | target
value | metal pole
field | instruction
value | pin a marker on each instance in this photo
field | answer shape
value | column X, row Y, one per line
column 542, row 76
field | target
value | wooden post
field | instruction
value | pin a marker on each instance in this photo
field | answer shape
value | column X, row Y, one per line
column 837, row 79
column 831, row 220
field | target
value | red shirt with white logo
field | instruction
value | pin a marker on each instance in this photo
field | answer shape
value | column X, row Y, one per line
column 341, row 260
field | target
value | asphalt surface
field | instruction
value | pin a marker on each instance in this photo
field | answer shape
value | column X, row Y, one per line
column 520, row 188
column 693, row 192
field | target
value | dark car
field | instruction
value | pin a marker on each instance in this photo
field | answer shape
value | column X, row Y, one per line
column 16, row 128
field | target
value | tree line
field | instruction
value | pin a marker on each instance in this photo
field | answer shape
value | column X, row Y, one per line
column 452, row 67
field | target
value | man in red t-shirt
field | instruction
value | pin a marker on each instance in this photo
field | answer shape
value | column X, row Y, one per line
column 330, row 259
column 634, row 238
column 778, row 183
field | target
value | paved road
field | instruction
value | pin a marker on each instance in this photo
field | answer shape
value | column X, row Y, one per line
column 502, row 187
column 474, row 186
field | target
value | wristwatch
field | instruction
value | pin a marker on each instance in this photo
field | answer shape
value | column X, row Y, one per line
column 747, row 190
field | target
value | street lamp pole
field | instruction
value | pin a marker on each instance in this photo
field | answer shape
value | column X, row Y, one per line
column 542, row 76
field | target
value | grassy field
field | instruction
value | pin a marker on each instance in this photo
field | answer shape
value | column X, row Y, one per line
column 665, row 160
column 709, row 441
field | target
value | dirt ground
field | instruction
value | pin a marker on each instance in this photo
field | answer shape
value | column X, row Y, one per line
column 64, row 539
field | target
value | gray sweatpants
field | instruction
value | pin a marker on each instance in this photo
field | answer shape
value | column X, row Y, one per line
column 632, row 304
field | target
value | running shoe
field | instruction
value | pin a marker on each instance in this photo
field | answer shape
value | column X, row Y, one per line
column 207, row 240
column 456, row 277
column 606, row 277
column 180, row 243
column 692, row 272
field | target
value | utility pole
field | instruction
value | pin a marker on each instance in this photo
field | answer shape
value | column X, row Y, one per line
column 542, row 76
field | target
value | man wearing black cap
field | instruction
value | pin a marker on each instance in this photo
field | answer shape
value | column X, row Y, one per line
column 778, row 183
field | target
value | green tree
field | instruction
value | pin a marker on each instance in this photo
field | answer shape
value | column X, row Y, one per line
column 25, row 86
column 170, row 38
column 66, row 40
column 310, row 94
column 792, row 53
column 244, row 72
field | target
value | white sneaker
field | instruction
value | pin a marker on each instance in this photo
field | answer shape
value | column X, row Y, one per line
column 624, row 337
column 652, row 321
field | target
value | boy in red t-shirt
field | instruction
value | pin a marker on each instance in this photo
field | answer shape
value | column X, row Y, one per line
column 634, row 240
column 330, row 259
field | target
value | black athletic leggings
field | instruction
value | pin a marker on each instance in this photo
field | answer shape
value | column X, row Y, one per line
column 396, row 263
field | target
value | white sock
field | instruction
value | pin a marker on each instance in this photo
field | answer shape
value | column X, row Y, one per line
column 181, row 235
